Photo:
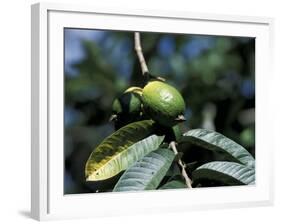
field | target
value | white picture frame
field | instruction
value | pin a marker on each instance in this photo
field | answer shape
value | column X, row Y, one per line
column 48, row 201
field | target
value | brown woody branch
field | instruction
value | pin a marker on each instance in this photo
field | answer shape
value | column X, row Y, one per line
column 182, row 165
column 139, row 52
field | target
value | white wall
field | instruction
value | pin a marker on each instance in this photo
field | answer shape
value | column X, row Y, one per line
column 15, row 109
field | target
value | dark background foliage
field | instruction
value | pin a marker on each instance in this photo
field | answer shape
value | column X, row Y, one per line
column 215, row 74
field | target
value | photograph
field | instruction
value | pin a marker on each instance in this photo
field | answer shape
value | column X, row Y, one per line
column 157, row 111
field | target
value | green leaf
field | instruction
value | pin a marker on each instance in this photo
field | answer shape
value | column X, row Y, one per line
column 229, row 173
column 174, row 169
column 147, row 173
column 121, row 149
column 215, row 141
column 174, row 184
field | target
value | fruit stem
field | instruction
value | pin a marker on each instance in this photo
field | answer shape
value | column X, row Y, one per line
column 182, row 165
column 139, row 52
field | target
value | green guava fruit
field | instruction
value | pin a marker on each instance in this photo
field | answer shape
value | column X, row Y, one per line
column 127, row 108
column 163, row 103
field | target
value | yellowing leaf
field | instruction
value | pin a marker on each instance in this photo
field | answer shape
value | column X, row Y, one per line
column 121, row 149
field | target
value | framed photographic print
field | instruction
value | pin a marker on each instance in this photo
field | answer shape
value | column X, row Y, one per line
column 146, row 108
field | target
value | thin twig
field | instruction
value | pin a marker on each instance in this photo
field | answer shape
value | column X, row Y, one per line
column 181, row 164
column 138, row 50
